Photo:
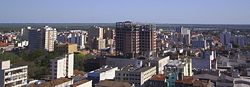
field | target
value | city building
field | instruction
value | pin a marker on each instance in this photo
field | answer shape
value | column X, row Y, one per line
column 60, row 82
column 121, row 62
column 239, row 40
column 62, row 66
column 78, row 37
column 199, row 44
column 82, row 83
column 11, row 76
column 127, row 38
column 204, row 61
column 42, row 38
column 175, row 69
column 110, row 83
column 95, row 38
column 147, row 40
column 66, row 48
column 103, row 73
column 225, row 39
column 158, row 80
column 159, row 63
column 135, row 75
column 184, row 36
column 191, row 81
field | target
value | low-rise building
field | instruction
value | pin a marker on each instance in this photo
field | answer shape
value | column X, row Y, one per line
column 157, row 81
column 110, row 83
column 135, row 75
column 60, row 82
column 82, row 83
column 159, row 63
column 102, row 74
column 176, row 69
column 11, row 76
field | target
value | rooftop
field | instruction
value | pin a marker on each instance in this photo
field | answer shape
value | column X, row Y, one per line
column 79, row 83
column 186, row 80
column 159, row 77
column 135, row 69
column 54, row 82
column 108, row 83
column 102, row 69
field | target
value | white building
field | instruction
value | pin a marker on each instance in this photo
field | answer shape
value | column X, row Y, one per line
column 12, row 76
column 62, row 66
column 102, row 74
column 135, row 75
column 159, row 63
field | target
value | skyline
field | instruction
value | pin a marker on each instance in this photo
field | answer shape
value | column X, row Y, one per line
column 145, row 11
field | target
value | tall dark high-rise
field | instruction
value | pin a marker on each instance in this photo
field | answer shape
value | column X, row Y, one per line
column 133, row 40
column 147, row 39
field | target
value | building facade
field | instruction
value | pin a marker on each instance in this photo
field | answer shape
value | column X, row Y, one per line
column 13, row 76
column 136, row 76
column 62, row 66
column 42, row 38
column 133, row 40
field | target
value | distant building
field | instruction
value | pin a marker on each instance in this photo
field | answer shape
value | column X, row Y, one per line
column 67, row 48
column 62, row 66
column 225, row 39
column 199, row 44
column 239, row 40
column 137, row 76
column 121, row 62
column 42, row 38
column 102, row 74
column 95, row 38
column 78, row 37
column 13, row 76
column 204, row 61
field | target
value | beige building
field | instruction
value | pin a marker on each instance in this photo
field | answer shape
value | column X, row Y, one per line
column 136, row 76
column 67, row 48
column 12, row 76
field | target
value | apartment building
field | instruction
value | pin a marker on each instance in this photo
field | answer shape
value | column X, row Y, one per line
column 62, row 66
column 11, row 76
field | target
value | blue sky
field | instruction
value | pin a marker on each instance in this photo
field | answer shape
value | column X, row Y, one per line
column 110, row 11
